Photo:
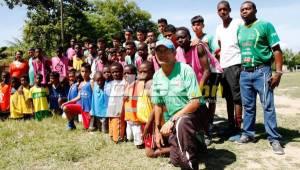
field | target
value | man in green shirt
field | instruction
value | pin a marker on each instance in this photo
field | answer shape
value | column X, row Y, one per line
column 175, row 87
column 259, row 44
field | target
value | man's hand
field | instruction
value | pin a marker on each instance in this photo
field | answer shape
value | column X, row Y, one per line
column 167, row 128
column 159, row 140
column 275, row 80
column 195, row 42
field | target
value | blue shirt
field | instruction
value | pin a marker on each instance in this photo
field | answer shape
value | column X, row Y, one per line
column 99, row 102
column 55, row 94
column 86, row 97
column 73, row 92
column 31, row 72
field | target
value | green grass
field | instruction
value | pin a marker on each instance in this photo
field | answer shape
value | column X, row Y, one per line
column 47, row 145
column 289, row 85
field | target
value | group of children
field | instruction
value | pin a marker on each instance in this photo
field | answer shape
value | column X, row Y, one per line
column 115, row 100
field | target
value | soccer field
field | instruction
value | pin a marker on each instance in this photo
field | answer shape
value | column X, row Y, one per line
column 47, row 145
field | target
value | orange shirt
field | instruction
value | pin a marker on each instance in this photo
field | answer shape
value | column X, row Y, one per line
column 4, row 97
column 17, row 68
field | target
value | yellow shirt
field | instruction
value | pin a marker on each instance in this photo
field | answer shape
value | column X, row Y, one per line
column 20, row 104
column 14, row 110
column 77, row 62
column 39, row 98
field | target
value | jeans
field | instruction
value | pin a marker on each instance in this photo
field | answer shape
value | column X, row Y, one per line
column 251, row 84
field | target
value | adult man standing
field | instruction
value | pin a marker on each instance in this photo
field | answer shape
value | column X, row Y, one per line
column 259, row 44
column 230, row 61
column 175, row 87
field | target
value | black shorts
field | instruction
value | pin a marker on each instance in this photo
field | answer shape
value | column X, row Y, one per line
column 211, row 87
column 231, row 83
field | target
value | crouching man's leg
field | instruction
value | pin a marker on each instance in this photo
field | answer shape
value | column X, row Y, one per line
column 185, row 145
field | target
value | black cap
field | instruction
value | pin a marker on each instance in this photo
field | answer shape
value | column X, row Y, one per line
column 197, row 18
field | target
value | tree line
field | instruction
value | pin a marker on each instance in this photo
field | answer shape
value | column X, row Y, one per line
column 83, row 19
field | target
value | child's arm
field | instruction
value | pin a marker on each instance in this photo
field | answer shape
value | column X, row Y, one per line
column 92, row 84
column 151, row 117
column 148, row 124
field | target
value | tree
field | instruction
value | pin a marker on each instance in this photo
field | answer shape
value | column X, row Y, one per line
column 111, row 17
column 289, row 59
column 82, row 18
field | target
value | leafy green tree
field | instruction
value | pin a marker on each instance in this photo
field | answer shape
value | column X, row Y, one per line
column 111, row 17
column 82, row 18
column 289, row 59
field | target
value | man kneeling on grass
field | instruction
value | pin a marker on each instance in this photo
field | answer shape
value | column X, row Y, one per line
column 175, row 87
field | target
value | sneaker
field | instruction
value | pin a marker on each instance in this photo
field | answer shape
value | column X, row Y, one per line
column 245, row 139
column 234, row 138
column 69, row 128
column 207, row 140
column 71, row 125
column 277, row 148
column 142, row 146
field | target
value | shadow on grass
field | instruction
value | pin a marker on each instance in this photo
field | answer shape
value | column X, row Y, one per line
column 220, row 126
column 288, row 135
column 218, row 158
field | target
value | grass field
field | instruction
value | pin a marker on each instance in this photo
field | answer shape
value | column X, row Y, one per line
column 47, row 145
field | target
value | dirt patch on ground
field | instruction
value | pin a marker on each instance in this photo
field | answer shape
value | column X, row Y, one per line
column 286, row 105
column 290, row 160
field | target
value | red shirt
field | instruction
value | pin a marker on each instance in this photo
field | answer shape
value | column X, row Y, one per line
column 18, row 68
column 4, row 97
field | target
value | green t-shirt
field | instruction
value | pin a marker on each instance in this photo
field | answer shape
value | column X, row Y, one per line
column 176, row 90
column 255, row 42
column 212, row 43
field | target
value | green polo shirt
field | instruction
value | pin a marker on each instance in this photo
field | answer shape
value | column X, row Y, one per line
column 177, row 89
column 256, row 41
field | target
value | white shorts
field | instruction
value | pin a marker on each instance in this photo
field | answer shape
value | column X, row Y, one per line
column 134, row 132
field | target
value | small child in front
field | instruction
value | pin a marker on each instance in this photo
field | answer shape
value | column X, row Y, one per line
column 57, row 93
column 5, row 88
column 39, row 95
column 99, row 104
column 115, row 110
column 133, row 125
column 146, row 112
column 71, row 108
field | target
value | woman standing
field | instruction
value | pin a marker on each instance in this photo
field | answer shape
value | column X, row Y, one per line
column 18, row 66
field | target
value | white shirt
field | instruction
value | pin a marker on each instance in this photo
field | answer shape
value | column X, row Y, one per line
column 230, row 52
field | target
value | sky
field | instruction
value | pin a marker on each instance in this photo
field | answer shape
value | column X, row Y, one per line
column 282, row 14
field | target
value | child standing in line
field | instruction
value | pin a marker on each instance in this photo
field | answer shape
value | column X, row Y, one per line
column 133, row 126
column 99, row 104
column 20, row 104
column 14, row 114
column 107, row 88
column 57, row 93
column 24, row 98
column 146, row 112
column 85, row 96
column 39, row 95
column 115, row 110
column 5, row 88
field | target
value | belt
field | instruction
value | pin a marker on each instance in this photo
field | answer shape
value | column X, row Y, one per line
column 252, row 69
